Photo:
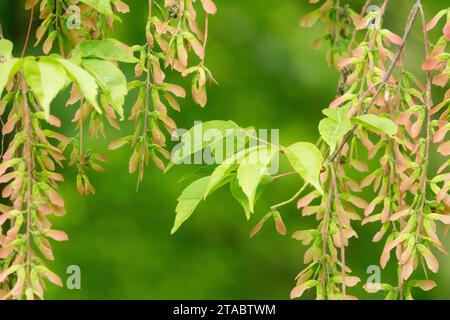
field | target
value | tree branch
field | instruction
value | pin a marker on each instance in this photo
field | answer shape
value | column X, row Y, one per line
column 426, row 160
column 27, row 38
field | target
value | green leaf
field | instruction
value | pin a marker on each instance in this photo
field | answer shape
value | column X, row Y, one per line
column 376, row 123
column 7, row 70
column 195, row 140
column 111, row 80
column 102, row 49
column 252, row 169
column 46, row 79
column 102, row 6
column 307, row 160
column 334, row 128
column 392, row 295
column 85, row 82
column 241, row 197
column 225, row 168
column 188, row 201
column 6, row 48
column 198, row 173
column 191, row 197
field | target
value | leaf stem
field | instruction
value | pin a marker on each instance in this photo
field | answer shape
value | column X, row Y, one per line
column 286, row 174
column 295, row 196
column 280, row 148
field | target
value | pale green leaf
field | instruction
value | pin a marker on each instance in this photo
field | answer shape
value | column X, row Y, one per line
column 46, row 79
column 334, row 128
column 307, row 160
column 7, row 70
column 252, row 169
column 241, row 197
column 85, row 82
column 102, row 49
column 102, row 6
column 6, row 48
column 377, row 123
column 188, row 201
column 111, row 80
column 195, row 139
column 225, row 168
column 191, row 197
column 337, row 114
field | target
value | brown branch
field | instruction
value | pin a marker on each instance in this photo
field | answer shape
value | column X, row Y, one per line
column 27, row 38
column 337, row 206
column 324, row 241
column 426, row 160
column 411, row 19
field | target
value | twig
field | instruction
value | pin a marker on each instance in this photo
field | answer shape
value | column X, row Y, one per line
column 295, row 196
column 423, row 178
column 337, row 206
column 30, row 25
column 324, row 241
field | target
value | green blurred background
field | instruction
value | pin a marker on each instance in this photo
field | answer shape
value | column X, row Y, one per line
column 270, row 77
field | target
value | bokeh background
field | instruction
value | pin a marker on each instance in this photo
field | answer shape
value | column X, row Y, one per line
column 270, row 77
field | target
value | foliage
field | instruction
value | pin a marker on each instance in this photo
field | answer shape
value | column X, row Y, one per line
column 385, row 109
column 89, row 63
column 384, row 123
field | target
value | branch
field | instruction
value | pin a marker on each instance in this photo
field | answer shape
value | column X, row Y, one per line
column 411, row 19
column 325, row 226
column 337, row 207
column 423, row 178
column 30, row 25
